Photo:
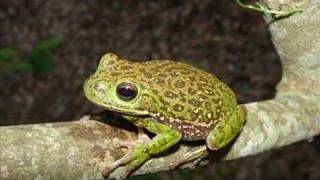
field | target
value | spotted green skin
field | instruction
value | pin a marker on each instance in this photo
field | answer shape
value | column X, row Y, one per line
column 175, row 101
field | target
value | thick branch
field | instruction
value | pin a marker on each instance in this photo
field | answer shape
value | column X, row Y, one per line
column 77, row 149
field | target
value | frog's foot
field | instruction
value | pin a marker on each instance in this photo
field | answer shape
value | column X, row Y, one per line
column 132, row 160
column 194, row 156
column 140, row 153
column 142, row 139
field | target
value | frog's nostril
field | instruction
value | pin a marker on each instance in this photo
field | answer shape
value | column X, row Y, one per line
column 98, row 87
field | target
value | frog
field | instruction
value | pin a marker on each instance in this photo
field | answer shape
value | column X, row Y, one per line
column 171, row 99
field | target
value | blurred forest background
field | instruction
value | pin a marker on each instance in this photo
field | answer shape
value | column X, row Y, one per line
column 49, row 47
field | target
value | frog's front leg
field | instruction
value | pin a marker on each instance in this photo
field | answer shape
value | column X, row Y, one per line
column 164, row 139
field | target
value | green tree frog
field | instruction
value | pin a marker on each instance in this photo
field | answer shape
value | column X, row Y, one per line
column 173, row 100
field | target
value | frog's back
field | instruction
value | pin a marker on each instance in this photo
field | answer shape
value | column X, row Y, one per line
column 189, row 99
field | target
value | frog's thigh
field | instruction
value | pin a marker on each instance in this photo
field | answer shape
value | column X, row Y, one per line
column 225, row 131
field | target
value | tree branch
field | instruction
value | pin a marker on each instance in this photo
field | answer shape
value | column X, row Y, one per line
column 74, row 150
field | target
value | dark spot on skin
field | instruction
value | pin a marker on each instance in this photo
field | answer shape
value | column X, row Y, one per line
column 178, row 107
column 158, row 71
column 143, row 87
column 200, row 87
column 194, row 116
column 192, row 91
column 147, row 75
column 215, row 101
column 182, row 96
column 179, row 84
column 186, row 72
column 200, row 112
column 162, row 75
column 183, row 99
column 203, row 83
column 114, row 74
column 192, row 79
column 145, row 72
column 175, row 74
column 207, row 104
column 203, row 96
column 125, row 67
column 165, row 103
column 142, row 70
column 110, row 62
column 194, row 103
column 203, row 79
column 169, row 94
column 155, row 92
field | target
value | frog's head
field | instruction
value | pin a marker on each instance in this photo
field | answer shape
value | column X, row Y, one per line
column 115, row 86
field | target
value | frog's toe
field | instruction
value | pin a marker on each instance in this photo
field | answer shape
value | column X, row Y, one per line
column 130, row 161
column 123, row 160
column 109, row 168
column 124, row 143
column 126, row 173
column 132, row 166
column 142, row 139
column 194, row 156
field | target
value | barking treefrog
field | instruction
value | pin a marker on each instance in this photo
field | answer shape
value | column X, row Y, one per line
column 173, row 100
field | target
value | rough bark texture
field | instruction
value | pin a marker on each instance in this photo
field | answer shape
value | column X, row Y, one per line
column 76, row 150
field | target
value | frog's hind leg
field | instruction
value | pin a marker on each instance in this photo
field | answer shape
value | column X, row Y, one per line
column 226, row 130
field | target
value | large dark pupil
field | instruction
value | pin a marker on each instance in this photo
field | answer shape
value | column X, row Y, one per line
column 126, row 91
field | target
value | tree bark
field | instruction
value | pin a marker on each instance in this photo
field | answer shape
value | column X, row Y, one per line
column 77, row 150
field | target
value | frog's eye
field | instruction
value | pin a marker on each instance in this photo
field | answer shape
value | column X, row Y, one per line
column 127, row 91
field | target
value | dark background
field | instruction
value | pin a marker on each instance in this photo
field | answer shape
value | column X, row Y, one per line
column 217, row 36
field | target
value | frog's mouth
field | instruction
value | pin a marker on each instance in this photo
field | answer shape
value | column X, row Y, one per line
column 121, row 109
column 125, row 111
